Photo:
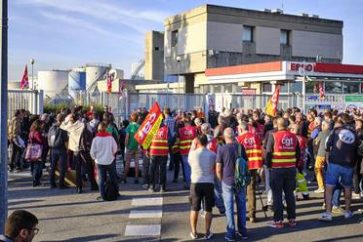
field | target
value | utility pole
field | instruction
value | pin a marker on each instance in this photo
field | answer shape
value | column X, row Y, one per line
column 3, row 111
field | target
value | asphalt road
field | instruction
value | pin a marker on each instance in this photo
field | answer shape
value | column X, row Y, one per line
column 143, row 216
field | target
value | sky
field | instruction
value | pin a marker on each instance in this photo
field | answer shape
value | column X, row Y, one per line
column 62, row 34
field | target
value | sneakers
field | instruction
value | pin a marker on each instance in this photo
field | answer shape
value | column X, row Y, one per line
column 145, row 186
column 337, row 210
column 208, row 235
column 193, row 235
column 227, row 238
column 202, row 214
column 276, row 224
column 320, row 190
column 326, row 217
column 355, row 196
column 292, row 223
column 243, row 236
column 348, row 214
column 151, row 189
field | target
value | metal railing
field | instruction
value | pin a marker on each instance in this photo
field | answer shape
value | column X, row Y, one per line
column 31, row 100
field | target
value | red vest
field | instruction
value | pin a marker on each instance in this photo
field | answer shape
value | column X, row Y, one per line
column 303, row 146
column 252, row 144
column 186, row 135
column 213, row 145
column 159, row 144
column 284, row 154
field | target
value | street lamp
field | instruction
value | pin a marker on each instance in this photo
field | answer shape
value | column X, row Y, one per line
column 32, row 61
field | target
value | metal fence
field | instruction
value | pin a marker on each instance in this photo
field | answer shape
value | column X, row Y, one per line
column 31, row 100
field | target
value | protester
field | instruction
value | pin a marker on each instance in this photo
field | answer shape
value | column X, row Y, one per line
column 20, row 227
column 57, row 139
column 342, row 146
column 282, row 155
column 159, row 151
column 320, row 161
column 202, row 163
column 103, row 150
column 35, row 145
column 252, row 144
column 186, row 136
column 225, row 168
column 16, row 143
column 132, row 148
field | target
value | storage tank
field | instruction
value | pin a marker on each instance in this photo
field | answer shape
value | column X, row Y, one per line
column 52, row 82
column 76, row 83
column 95, row 73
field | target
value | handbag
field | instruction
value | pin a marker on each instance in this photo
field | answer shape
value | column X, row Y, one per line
column 33, row 152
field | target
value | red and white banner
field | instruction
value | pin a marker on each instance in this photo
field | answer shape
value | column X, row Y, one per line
column 149, row 127
column 24, row 83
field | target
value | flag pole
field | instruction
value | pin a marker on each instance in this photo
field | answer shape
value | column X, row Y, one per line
column 3, row 118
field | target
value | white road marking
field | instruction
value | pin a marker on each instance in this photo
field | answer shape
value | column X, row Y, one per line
column 146, row 214
column 143, row 230
column 152, row 201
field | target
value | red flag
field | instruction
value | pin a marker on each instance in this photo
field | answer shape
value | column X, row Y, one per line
column 149, row 127
column 109, row 83
column 321, row 91
column 272, row 103
column 24, row 83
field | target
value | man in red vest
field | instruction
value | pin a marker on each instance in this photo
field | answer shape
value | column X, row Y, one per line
column 252, row 144
column 159, row 151
column 186, row 136
column 282, row 155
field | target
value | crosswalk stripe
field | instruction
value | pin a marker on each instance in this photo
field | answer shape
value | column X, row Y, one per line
column 143, row 230
column 146, row 214
column 152, row 201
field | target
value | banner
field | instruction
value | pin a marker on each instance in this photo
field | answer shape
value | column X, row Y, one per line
column 109, row 83
column 272, row 103
column 24, row 83
column 321, row 91
column 149, row 127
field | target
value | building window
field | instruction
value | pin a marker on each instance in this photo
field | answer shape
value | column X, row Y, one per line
column 174, row 38
column 333, row 87
column 284, row 37
column 351, row 87
column 247, row 34
column 266, row 87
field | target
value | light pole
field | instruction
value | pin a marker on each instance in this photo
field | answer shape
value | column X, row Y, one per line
column 3, row 110
column 32, row 61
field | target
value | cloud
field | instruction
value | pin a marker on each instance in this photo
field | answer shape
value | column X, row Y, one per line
column 137, row 20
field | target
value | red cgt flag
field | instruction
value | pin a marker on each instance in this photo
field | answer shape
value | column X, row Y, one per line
column 24, row 83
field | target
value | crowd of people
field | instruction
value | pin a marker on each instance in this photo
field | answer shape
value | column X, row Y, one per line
column 283, row 154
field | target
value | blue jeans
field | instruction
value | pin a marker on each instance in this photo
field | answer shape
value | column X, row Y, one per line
column 228, row 192
column 58, row 156
column 218, row 198
column 187, row 169
column 102, row 175
column 36, row 169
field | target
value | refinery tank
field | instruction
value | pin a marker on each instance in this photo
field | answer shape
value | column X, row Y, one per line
column 52, row 82
column 76, row 83
column 94, row 73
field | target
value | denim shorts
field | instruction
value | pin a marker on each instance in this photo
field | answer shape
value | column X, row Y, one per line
column 335, row 172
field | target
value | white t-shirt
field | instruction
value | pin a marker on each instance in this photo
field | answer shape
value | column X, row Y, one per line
column 103, row 150
column 202, row 162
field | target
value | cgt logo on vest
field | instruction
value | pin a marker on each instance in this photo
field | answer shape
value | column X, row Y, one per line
column 287, row 143
column 249, row 143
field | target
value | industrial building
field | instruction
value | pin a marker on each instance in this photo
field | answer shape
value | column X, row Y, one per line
column 216, row 36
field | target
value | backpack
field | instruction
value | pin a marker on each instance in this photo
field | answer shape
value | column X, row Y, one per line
column 111, row 191
column 242, row 176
